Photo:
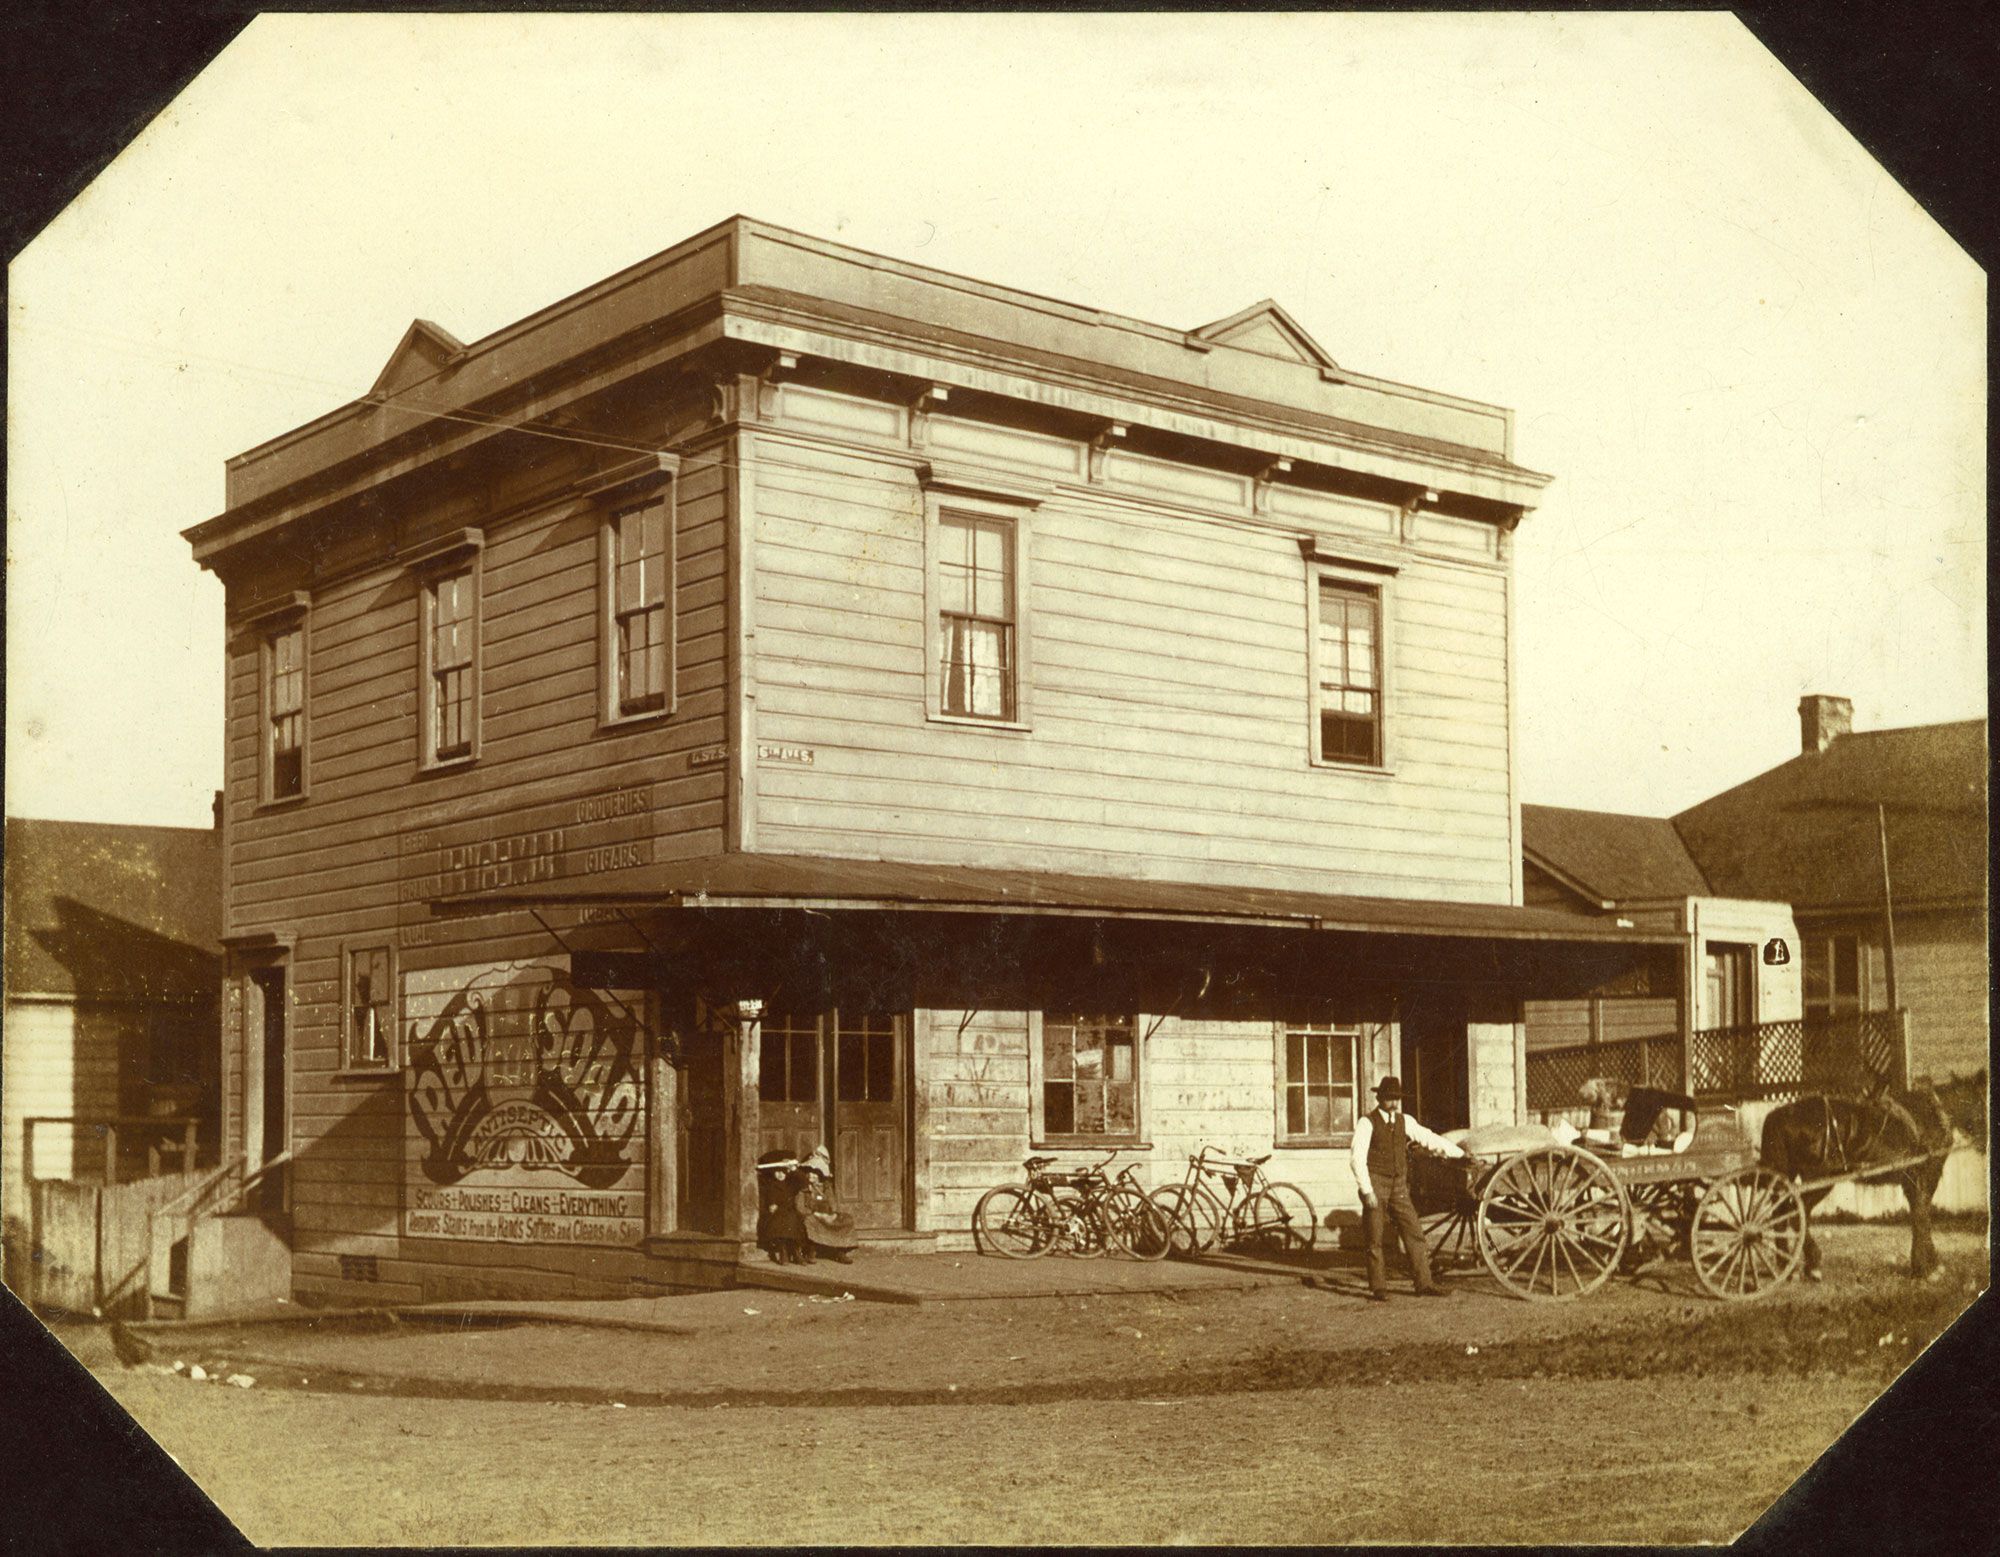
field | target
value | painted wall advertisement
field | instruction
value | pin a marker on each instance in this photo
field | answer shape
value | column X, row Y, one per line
column 526, row 1107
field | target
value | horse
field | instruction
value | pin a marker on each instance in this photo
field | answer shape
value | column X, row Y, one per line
column 1817, row 1136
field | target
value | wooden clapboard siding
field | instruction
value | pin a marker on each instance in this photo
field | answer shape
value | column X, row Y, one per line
column 328, row 871
column 975, row 1096
column 38, row 1053
column 1941, row 980
column 1169, row 696
column 1206, row 1082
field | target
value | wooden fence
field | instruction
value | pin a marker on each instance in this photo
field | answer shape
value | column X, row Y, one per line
column 92, row 1243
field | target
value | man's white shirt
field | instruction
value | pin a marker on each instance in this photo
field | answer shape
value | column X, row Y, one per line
column 1364, row 1134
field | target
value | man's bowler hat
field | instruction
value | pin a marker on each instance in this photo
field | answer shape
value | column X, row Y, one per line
column 1389, row 1090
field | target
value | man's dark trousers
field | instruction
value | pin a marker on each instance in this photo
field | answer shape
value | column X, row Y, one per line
column 1393, row 1204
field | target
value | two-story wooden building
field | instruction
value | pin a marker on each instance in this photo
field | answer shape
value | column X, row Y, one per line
column 782, row 694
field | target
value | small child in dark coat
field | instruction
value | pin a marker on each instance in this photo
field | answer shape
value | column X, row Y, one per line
column 781, row 1230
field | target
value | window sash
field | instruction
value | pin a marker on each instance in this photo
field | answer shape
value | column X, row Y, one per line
column 1841, row 975
column 977, row 591
column 371, row 993
column 285, row 705
column 639, row 607
column 452, row 649
column 1318, row 1082
column 1090, row 1077
column 1348, row 673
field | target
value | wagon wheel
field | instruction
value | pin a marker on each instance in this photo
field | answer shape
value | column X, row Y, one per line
column 1448, row 1232
column 1449, row 1236
column 1748, row 1234
column 1551, row 1223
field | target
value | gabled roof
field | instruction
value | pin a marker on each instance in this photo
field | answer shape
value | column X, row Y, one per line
column 1608, row 857
column 1805, row 832
column 422, row 353
column 1267, row 329
column 95, row 909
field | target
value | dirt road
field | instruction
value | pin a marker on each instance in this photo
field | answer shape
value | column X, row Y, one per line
column 1515, row 1460
column 1279, row 1415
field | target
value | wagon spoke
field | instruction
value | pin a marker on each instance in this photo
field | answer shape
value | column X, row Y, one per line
column 1527, row 1245
column 1535, row 1275
column 1569, row 1259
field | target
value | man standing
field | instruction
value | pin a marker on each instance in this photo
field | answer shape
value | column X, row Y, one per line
column 1381, row 1157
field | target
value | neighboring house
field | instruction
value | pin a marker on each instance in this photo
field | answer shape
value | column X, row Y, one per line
column 114, row 967
column 1739, row 968
column 1822, row 853
column 1807, row 833
column 782, row 694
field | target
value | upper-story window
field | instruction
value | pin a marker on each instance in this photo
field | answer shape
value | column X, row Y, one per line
column 285, row 712
column 640, row 629
column 976, row 627
column 1347, row 673
column 451, row 665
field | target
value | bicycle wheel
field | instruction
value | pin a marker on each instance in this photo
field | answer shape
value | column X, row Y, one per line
column 1137, row 1225
column 1080, row 1230
column 1194, row 1217
column 1278, row 1219
column 1011, row 1222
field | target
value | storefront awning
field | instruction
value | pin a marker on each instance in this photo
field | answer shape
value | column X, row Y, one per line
column 780, row 881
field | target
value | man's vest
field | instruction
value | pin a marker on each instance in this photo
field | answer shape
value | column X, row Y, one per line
column 1388, row 1148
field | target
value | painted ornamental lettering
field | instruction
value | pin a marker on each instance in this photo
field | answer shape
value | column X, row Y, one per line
column 525, row 1107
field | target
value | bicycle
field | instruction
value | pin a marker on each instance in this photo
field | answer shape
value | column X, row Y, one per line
column 1082, row 1213
column 1135, row 1223
column 1256, row 1212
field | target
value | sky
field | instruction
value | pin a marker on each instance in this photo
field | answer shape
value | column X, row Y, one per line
column 1754, row 367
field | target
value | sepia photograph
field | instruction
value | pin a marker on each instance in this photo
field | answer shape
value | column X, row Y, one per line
column 996, row 779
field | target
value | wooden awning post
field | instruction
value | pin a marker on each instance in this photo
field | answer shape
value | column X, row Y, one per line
column 741, row 1110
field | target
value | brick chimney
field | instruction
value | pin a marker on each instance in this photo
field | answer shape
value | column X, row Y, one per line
column 1821, row 718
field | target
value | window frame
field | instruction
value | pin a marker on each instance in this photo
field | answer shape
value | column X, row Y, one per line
column 1870, row 977
column 1072, row 1140
column 461, row 553
column 983, row 501
column 1356, row 1034
column 392, row 1056
column 1379, row 583
column 271, row 627
column 658, row 483
column 292, row 615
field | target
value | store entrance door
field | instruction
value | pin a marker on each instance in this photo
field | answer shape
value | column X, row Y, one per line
column 840, row 1080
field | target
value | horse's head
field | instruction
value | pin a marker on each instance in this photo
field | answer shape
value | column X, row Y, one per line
column 1938, row 1124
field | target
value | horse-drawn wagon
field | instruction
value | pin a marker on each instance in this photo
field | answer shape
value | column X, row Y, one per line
column 1555, row 1219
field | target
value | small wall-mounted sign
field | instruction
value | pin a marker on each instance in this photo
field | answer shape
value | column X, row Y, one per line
column 803, row 755
column 708, row 756
column 1776, row 953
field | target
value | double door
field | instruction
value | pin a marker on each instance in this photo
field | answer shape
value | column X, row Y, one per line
column 839, row 1079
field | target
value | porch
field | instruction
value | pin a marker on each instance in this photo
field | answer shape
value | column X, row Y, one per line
column 1763, row 1061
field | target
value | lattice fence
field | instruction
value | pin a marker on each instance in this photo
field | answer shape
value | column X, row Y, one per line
column 1556, row 1075
column 1840, row 1055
